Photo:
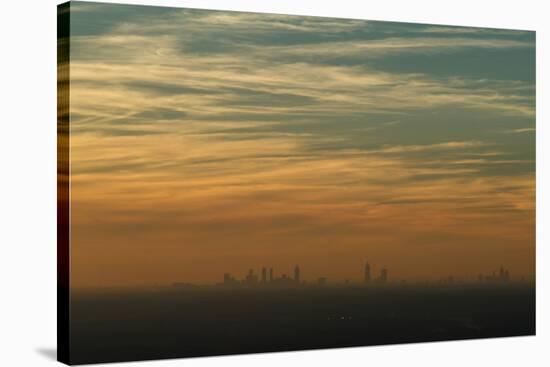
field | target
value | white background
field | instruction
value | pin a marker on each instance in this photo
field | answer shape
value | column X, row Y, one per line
column 28, row 183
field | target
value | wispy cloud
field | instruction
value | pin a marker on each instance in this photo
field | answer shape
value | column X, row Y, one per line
column 206, row 132
column 521, row 130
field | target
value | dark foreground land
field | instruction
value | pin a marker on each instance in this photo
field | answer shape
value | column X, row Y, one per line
column 130, row 325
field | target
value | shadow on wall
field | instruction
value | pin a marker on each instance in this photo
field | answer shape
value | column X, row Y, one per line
column 50, row 353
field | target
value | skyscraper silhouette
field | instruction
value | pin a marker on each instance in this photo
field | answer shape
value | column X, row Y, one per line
column 264, row 275
column 297, row 274
column 383, row 275
column 270, row 274
column 367, row 273
column 251, row 279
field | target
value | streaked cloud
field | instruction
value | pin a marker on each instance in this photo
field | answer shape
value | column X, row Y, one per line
column 521, row 130
column 200, row 135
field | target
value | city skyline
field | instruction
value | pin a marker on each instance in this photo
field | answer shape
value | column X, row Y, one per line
column 206, row 140
column 267, row 276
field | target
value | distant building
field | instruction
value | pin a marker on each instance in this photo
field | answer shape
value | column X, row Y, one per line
column 251, row 279
column 383, row 275
column 322, row 281
column 503, row 276
column 367, row 273
column 297, row 274
column 270, row 274
column 228, row 280
column 264, row 275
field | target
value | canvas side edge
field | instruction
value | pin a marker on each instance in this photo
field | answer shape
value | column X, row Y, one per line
column 63, row 177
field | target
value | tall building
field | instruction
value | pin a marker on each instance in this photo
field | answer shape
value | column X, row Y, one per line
column 251, row 279
column 264, row 275
column 270, row 274
column 228, row 280
column 503, row 276
column 297, row 274
column 367, row 273
column 383, row 275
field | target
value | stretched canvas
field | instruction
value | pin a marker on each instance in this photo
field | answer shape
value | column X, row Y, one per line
column 236, row 182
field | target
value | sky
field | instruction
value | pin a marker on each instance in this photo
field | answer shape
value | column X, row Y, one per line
column 205, row 142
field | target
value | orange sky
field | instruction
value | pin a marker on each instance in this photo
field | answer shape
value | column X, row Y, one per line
column 201, row 144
